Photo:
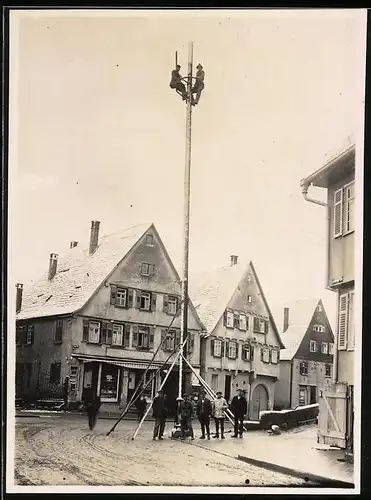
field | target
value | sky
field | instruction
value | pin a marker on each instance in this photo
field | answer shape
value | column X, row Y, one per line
column 97, row 134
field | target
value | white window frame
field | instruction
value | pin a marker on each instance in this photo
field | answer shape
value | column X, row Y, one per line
column 324, row 347
column 230, row 319
column 121, row 297
column 94, row 336
column 242, row 322
column 117, row 334
column 326, row 366
column 145, row 296
column 172, row 304
column 265, row 355
column 232, row 349
column 349, row 202
column 249, row 299
column 274, row 356
column 313, row 346
column 262, row 325
column 331, row 348
column 246, row 349
column 170, row 340
column 142, row 332
column 338, row 213
column 217, row 348
column 318, row 328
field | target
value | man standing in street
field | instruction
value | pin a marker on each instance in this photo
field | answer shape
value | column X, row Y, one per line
column 220, row 405
column 204, row 410
column 186, row 414
column 159, row 413
column 92, row 404
column 239, row 410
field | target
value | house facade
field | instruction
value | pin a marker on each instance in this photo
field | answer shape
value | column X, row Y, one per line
column 306, row 365
column 337, row 176
column 241, row 348
column 99, row 315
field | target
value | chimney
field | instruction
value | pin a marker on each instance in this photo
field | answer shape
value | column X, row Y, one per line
column 18, row 299
column 285, row 319
column 94, row 235
column 73, row 244
column 52, row 265
column 234, row 259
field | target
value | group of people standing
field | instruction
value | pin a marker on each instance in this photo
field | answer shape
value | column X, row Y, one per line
column 205, row 410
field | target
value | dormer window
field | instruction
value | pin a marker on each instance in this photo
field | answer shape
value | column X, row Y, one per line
column 149, row 240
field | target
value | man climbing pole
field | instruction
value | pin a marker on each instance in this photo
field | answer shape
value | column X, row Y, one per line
column 177, row 84
column 199, row 84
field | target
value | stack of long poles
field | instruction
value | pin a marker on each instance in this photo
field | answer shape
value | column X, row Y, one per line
column 187, row 176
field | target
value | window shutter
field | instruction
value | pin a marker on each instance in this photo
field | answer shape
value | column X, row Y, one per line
column 252, row 348
column 212, row 346
column 166, row 303
column 225, row 318
column 177, row 338
column 135, row 336
column 178, row 307
column 236, row 320
column 163, row 337
column 226, row 348
column 266, row 326
column 130, row 298
column 247, row 322
column 151, row 269
column 32, row 327
column 151, row 337
column 138, row 295
column 153, row 301
column 85, row 330
column 343, row 322
column 237, row 346
column 126, row 334
column 256, row 324
column 191, row 342
column 113, row 294
column 338, row 213
column 103, row 335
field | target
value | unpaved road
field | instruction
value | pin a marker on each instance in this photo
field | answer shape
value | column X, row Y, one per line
column 61, row 450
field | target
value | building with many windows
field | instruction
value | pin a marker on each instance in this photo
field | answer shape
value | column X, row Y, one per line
column 98, row 315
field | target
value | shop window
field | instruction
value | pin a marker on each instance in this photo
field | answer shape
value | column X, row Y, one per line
column 109, row 383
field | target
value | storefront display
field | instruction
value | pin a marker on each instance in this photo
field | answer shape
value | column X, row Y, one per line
column 109, row 385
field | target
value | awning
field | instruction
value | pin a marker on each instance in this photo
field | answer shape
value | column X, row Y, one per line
column 117, row 362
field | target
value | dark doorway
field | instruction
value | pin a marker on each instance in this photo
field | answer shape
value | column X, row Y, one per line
column 313, row 394
column 227, row 392
column 91, row 375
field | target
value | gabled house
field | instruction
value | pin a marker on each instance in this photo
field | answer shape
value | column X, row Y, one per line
column 306, row 365
column 241, row 348
column 337, row 176
column 98, row 315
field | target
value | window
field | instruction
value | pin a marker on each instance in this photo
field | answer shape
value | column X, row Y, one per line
column 247, row 352
column 324, row 348
column 318, row 328
column 121, row 297
column 143, row 337
column 117, row 334
column 58, row 331
column 149, row 240
column 313, row 346
column 109, row 382
column 302, row 396
column 349, row 207
column 74, row 370
column 265, row 354
column 106, row 336
column 243, row 325
column 303, row 368
column 30, row 334
column 216, row 348
column 232, row 350
column 214, row 382
column 20, row 334
column 145, row 301
column 172, row 305
column 331, row 348
column 229, row 322
column 274, row 356
column 260, row 325
column 249, row 277
column 249, row 299
column 168, row 338
column 319, row 308
column 328, row 370
column 94, row 332
column 147, row 269
column 55, row 373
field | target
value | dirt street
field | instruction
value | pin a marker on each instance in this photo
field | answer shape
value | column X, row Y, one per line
column 61, row 450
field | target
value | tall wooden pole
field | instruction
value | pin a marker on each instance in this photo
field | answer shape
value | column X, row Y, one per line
column 187, row 192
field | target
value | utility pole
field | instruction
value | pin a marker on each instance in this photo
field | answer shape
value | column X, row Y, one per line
column 187, row 193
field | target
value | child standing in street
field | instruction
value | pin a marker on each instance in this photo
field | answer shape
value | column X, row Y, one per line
column 220, row 405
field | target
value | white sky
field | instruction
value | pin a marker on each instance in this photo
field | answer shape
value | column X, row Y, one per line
column 97, row 134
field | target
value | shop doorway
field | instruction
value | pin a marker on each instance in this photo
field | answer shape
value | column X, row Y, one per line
column 91, row 371
column 259, row 401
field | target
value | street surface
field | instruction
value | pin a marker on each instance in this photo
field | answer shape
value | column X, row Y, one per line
column 60, row 449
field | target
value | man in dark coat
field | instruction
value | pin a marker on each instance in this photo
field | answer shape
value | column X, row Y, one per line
column 159, row 413
column 92, row 404
column 141, row 404
column 186, row 414
column 176, row 82
column 239, row 410
column 204, row 410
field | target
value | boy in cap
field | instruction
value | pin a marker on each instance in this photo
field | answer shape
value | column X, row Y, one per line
column 186, row 413
column 220, row 405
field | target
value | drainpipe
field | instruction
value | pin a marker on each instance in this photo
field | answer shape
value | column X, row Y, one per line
column 304, row 188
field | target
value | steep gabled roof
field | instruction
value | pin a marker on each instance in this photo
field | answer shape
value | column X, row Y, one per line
column 78, row 276
column 300, row 315
column 211, row 291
